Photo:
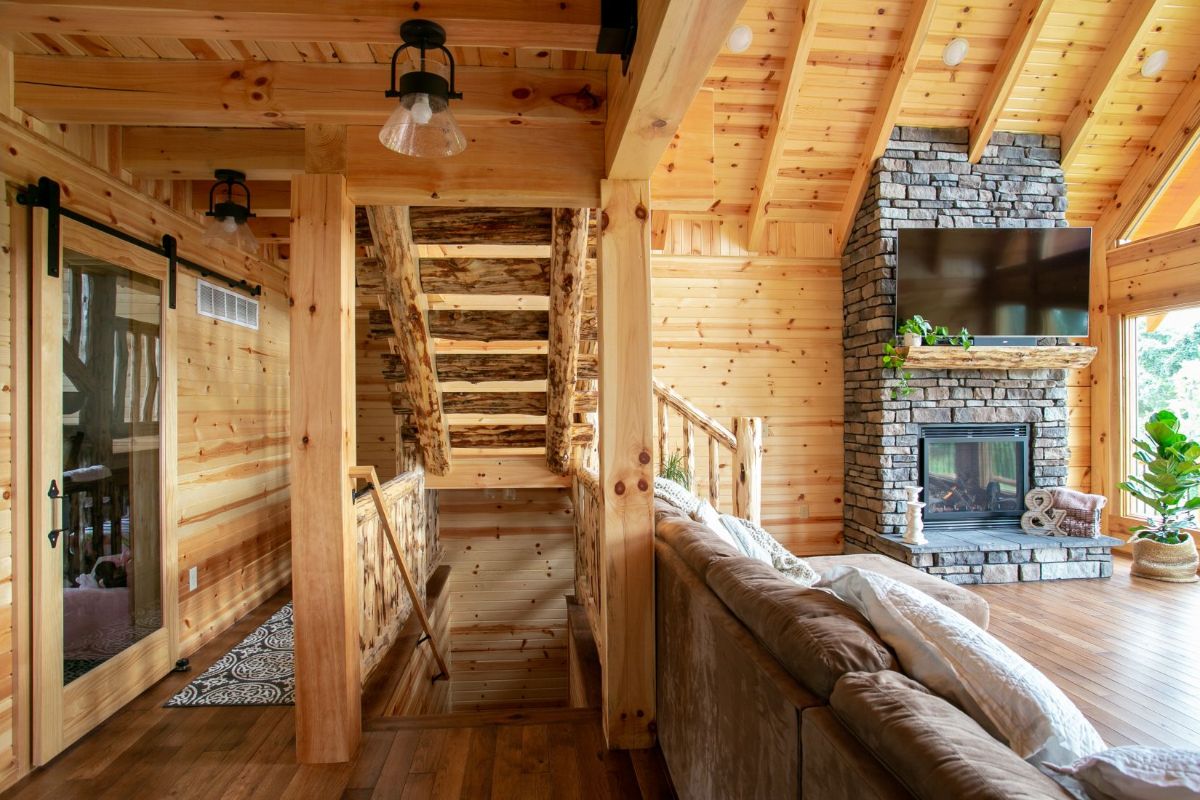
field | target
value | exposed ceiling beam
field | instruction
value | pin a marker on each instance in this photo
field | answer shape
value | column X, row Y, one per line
column 402, row 290
column 568, row 261
column 1030, row 21
column 275, row 94
column 469, row 23
column 1105, row 76
column 781, row 118
column 1153, row 168
column 904, row 66
column 677, row 42
column 495, row 170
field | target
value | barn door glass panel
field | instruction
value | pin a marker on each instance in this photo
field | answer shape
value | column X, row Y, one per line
column 110, row 539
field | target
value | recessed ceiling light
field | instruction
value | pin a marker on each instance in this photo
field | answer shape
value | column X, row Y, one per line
column 955, row 51
column 739, row 39
column 1155, row 63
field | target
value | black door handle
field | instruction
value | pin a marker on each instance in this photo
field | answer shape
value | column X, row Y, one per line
column 55, row 514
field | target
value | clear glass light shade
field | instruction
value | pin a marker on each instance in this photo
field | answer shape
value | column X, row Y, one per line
column 229, row 231
column 423, row 126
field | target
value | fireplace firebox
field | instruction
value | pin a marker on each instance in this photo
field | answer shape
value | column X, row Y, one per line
column 975, row 476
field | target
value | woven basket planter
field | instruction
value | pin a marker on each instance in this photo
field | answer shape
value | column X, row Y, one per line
column 1175, row 563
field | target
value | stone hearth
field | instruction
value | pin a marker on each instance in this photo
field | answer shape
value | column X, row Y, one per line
column 925, row 180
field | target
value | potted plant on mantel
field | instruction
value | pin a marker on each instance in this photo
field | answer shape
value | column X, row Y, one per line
column 1162, row 549
column 917, row 330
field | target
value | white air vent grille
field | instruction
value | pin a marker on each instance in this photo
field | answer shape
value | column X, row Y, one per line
column 213, row 301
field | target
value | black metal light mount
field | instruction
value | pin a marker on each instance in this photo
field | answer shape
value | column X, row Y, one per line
column 424, row 36
column 231, row 181
column 618, row 29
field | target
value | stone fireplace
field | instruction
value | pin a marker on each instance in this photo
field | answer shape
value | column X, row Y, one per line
column 935, row 436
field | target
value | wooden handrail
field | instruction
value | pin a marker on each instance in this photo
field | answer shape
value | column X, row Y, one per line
column 689, row 412
column 368, row 474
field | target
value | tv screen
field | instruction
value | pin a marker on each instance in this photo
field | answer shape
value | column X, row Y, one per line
column 996, row 282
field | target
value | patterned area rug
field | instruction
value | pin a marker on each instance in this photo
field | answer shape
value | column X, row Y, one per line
column 256, row 672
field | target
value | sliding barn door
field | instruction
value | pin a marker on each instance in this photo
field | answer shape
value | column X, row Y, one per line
column 103, row 440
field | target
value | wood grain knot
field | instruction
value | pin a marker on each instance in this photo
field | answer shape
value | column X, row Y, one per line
column 619, row 488
column 644, row 457
column 640, row 212
column 642, row 485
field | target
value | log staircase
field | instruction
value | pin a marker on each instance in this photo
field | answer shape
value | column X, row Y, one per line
column 498, row 308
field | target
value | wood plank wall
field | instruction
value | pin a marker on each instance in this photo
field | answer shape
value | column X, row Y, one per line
column 743, row 335
column 512, row 563
column 233, row 409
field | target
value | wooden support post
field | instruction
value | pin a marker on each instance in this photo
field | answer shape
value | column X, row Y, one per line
column 626, row 464
column 747, row 468
column 689, row 451
column 664, row 433
column 325, row 581
column 714, row 473
column 568, row 260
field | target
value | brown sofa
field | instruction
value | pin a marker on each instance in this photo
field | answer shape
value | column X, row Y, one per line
column 770, row 690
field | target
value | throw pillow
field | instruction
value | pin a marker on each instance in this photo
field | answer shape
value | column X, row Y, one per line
column 1137, row 773
column 964, row 664
column 758, row 543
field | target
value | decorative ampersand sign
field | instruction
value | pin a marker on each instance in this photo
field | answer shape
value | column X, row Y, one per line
column 1042, row 518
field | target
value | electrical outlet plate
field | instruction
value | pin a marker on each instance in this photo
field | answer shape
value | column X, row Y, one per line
column 193, row 579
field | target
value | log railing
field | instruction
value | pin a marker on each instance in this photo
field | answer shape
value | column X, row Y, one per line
column 742, row 446
column 392, row 539
column 589, row 514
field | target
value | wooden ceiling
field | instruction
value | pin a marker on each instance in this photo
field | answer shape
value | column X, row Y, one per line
column 846, row 72
column 1077, row 54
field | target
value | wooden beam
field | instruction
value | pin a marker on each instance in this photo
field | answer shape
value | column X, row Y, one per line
column 476, row 368
column 627, row 464
column 1102, row 82
column 491, row 226
column 794, row 67
column 194, row 153
column 1157, row 161
column 491, row 403
column 325, row 585
column 568, row 262
column 904, row 66
column 495, row 276
column 677, row 42
column 507, row 471
column 510, row 436
column 548, row 24
column 489, row 326
column 402, row 290
column 276, row 94
column 1030, row 21
column 493, row 171
column 685, row 178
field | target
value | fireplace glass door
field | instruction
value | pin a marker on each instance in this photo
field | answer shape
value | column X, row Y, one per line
column 974, row 473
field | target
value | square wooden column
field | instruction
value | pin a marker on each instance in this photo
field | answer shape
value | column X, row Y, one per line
column 626, row 463
column 325, row 585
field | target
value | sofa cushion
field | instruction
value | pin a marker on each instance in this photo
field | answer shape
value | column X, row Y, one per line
column 964, row 601
column 931, row 747
column 816, row 637
column 698, row 546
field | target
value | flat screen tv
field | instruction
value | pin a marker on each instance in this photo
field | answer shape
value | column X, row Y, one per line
column 999, row 283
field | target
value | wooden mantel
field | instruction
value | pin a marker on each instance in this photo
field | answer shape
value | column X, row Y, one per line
column 946, row 357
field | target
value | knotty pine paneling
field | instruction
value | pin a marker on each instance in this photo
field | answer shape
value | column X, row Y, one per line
column 232, row 502
column 743, row 335
column 512, row 562
column 8, row 760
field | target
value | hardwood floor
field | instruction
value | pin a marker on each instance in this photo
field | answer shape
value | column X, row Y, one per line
column 147, row 751
column 1124, row 649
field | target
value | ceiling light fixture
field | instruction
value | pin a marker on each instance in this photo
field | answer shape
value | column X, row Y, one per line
column 740, row 39
column 1155, row 63
column 228, row 223
column 955, row 51
column 422, row 124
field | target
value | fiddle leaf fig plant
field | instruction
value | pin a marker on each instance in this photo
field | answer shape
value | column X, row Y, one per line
column 917, row 325
column 1170, row 484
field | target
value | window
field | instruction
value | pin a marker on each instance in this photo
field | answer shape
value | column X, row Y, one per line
column 1164, row 373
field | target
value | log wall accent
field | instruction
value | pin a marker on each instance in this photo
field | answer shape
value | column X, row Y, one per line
column 523, row 276
column 477, row 367
column 402, row 288
column 489, row 326
column 568, row 262
column 511, row 558
column 747, row 335
column 386, row 605
column 434, row 225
